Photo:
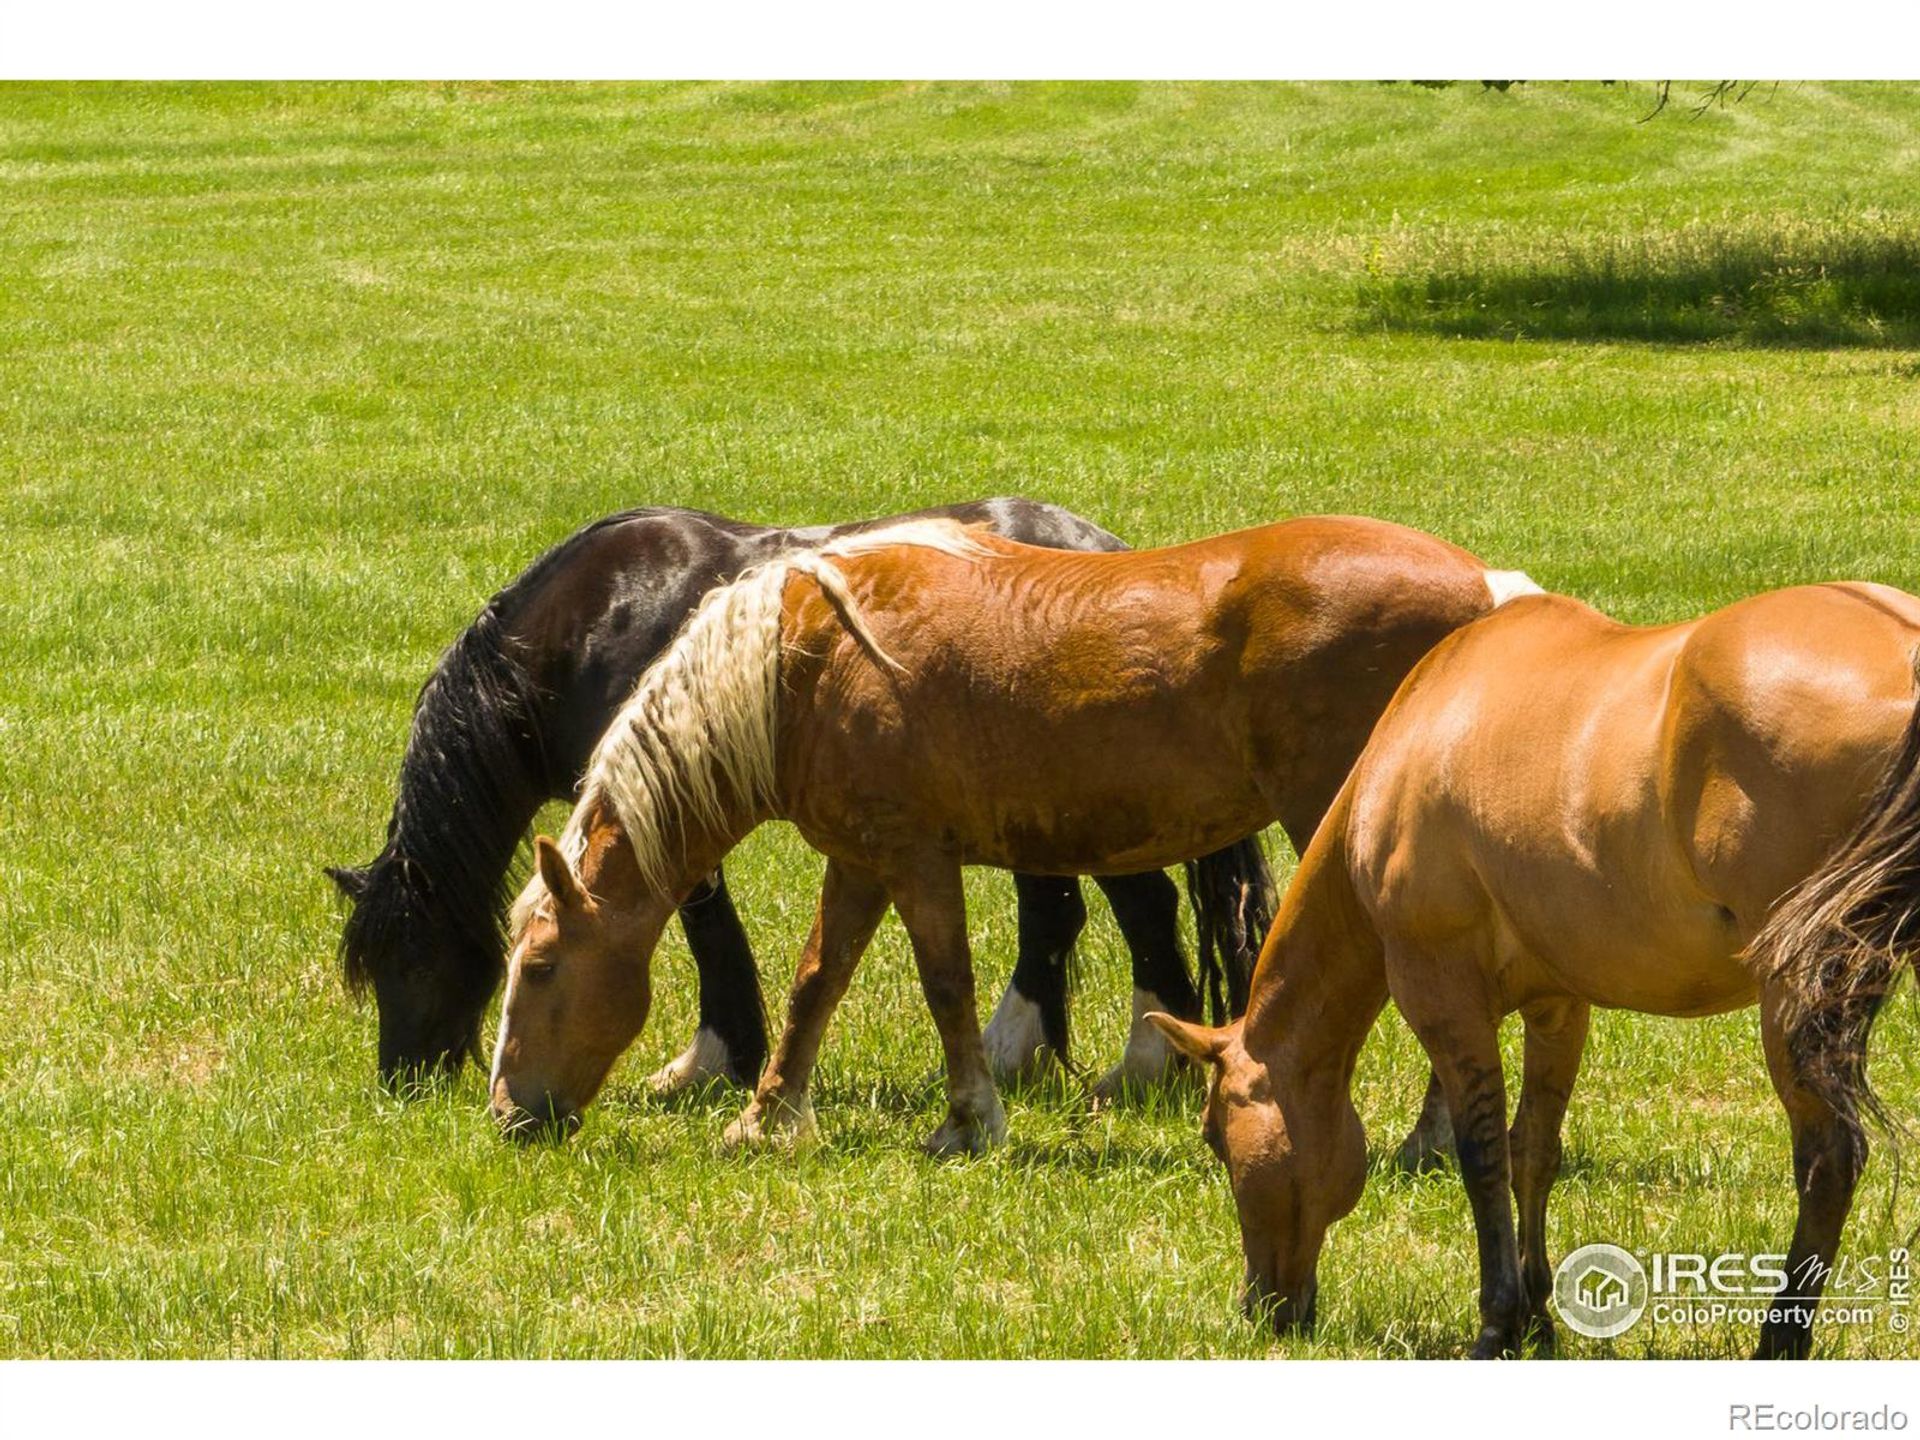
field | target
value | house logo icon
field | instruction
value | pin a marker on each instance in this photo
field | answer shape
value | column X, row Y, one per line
column 1599, row 1291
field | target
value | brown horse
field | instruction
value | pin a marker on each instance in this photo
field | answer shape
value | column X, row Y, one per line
column 924, row 698
column 1559, row 811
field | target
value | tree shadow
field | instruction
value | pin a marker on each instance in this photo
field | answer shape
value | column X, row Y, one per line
column 1817, row 289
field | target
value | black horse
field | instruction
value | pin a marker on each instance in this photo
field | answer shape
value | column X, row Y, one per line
column 508, row 720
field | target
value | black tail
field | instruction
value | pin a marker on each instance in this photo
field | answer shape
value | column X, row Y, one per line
column 1234, row 900
column 1839, row 940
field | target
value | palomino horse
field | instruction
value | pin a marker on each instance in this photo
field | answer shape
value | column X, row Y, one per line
column 1559, row 811
column 508, row 720
column 924, row 698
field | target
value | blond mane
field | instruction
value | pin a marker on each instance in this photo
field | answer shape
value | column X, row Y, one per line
column 694, row 742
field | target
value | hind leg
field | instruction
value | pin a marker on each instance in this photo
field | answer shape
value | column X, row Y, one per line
column 1828, row 1156
column 1029, row 1026
column 730, row 1042
column 1429, row 1144
column 1146, row 907
column 1556, row 1038
column 852, row 903
column 1447, row 1001
column 933, row 908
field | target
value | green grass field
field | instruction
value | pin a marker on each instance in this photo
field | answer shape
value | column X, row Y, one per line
column 292, row 378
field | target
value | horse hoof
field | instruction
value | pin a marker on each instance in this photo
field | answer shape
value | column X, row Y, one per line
column 1494, row 1345
column 702, row 1063
column 759, row 1128
column 967, row 1135
column 1148, row 1061
column 1128, row 1079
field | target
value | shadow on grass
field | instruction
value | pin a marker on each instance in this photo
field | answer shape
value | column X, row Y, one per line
column 1818, row 288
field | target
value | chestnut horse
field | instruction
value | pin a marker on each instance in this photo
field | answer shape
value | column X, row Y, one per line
column 923, row 698
column 1559, row 811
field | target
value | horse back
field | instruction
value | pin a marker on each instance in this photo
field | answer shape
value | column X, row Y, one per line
column 1226, row 683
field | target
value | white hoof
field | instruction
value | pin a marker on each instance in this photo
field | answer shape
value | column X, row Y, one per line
column 784, row 1122
column 703, row 1061
column 1015, row 1041
column 1149, row 1058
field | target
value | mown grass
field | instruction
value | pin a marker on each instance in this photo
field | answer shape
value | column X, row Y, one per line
column 292, row 377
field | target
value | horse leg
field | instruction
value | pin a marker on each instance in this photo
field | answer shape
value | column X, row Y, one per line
column 933, row 907
column 852, row 903
column 1828, row 1156
column 1556, row 1038
column 1430, row 1142
column 1029, row 1026
column 1446, row 1002
column 1147, row 908
column 730, row 1042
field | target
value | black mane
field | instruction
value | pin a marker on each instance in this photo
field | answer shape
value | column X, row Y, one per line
column 475, row 764
column 473, row 760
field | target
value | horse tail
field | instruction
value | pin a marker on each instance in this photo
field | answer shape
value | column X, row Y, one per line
column 1839, row 940
column 1234, row 900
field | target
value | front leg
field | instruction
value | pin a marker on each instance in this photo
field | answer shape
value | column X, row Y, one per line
column 852, row 902
column 933, row 908
column 1445, row 999
column 730, row 1043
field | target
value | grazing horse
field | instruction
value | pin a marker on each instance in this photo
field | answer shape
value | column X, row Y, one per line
column 1559, row 811
column 507, row 721
column 927, row 697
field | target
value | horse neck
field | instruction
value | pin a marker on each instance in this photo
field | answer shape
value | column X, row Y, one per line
column 612, row 874
column 1321, row 978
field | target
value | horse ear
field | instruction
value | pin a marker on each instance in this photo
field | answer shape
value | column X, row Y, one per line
column 351, row 880
column 1196, row 1042
column 556, row 874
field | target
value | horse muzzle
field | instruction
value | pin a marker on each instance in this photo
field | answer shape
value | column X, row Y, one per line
column 532, row 1117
